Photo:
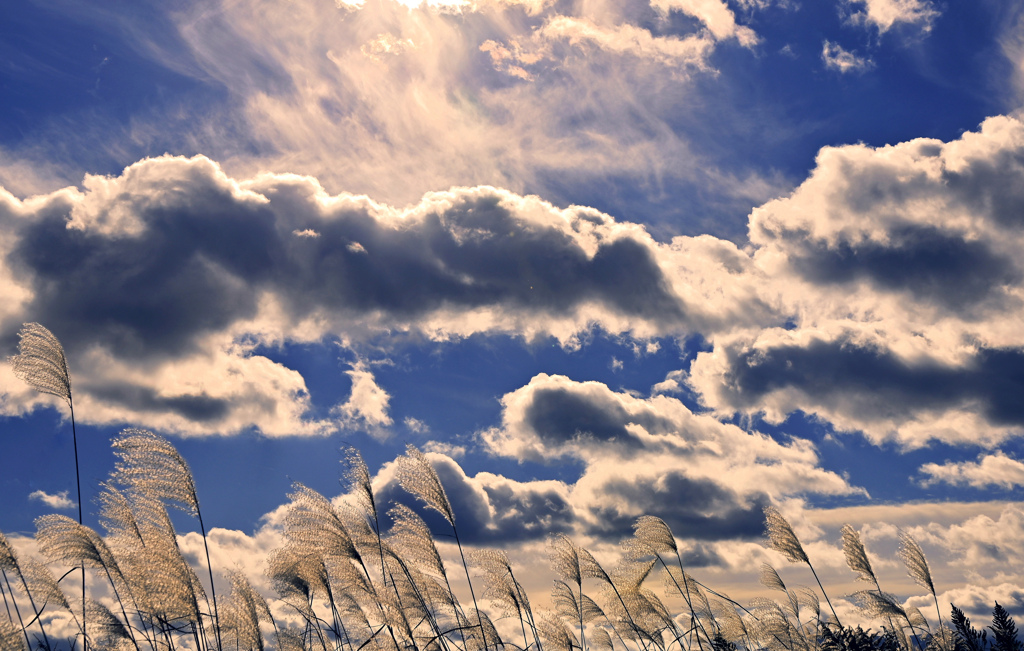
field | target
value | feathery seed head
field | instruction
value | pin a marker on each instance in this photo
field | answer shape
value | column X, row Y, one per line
column 10, row 637
column 653, row 533
column 40, row 362
column 418, row 477
column 8, row 557
column 314, row 526
column 771, row 579
column 565, row 558
column 781, row 536
column 62, row 539
column 360, row 482
column 917, row 565
column 879, row 604
column 856, row 555
column 151, row 467
column 411, row 535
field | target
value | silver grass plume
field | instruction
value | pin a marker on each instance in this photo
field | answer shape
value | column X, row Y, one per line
column 246, row 610
column 411, row 535
column 917, row 618
column 9, row 563
column 856, row 555
column 503, row 588
column 653, row 533
column 41, row 363
column 917, row 568
column 106, row 629
column 917, row 565
column 151, row 466
column 10, row 637
column 61, row 539
column 782, row 539
column 8, row 557
column 42, row 584
column 567, row 604
column 809, row 599
column 314, row 526
column 781, row 536
column 565, row 558
column 556, row 635
column 601, row 640
column 878, row 604
column 770, row 578
column 418, row 477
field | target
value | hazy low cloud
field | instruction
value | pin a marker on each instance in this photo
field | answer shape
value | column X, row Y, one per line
column 57, row 501
column 990, row 470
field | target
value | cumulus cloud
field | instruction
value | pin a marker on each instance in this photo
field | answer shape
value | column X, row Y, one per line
column 707, row 479
column 367, row 404
column 989, row 470
column 57, row 501
column 899, row 267
column 161, row 283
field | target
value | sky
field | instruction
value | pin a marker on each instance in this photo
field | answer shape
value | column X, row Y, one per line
column 684, row 258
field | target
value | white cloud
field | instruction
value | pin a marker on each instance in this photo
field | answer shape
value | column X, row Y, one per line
column 837, row 58
column 57, row 501
column 715, row 14
column 367, row 404
column 446, row 448
column 884, row 14
column 628, row 39
column 415, row 425
column 990, row 470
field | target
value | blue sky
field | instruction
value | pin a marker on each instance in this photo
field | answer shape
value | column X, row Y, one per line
column 600, row 259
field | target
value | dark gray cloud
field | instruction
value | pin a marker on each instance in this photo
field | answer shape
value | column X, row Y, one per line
column 201, row 257
column 700, row 509
column 489, row 508
column 201, row 407
column 561, row 415
column 881, row 383
column 934, row 266
column 990, row 185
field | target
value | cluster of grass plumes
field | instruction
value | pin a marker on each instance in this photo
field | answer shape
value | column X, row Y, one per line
column 344, row 583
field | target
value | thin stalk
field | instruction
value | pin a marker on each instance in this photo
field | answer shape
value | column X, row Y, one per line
column 17, row 610
column 209, row 568
column 686, row 596
column 465, row 566
column 827, row 600
column 78, row 488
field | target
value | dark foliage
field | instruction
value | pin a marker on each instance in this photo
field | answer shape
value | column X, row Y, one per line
column 1004, row 631
column 842, row 638
column 965, row 636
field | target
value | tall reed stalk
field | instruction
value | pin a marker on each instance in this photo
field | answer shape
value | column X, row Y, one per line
column 41, row 363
